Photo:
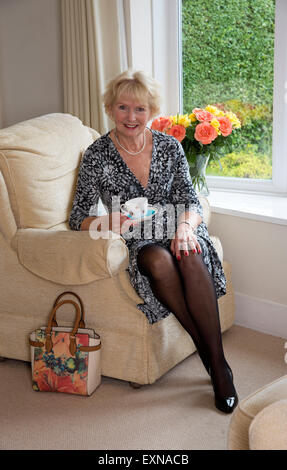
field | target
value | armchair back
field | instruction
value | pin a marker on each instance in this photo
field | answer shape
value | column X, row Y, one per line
column 39, row 161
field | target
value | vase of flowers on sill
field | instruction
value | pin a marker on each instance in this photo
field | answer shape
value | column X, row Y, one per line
column 205, row 135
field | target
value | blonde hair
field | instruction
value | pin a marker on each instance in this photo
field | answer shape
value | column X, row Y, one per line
column 137, row 84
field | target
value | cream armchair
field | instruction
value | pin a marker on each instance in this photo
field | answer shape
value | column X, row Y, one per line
column 41, row 257
column 260, row 420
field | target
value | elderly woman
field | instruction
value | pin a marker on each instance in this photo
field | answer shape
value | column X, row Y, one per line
column 179, row 273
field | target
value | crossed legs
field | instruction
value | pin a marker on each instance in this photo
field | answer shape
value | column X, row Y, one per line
column 187, row 289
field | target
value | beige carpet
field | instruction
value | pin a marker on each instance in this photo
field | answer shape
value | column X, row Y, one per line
column 176, row 412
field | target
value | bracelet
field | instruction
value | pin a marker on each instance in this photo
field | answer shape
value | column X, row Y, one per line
column 188, row 223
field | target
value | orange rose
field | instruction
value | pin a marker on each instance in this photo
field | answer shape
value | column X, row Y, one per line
column 202, row 114
column 225, row 125
column 205, row 133
column 177, row 131
column 161, row 124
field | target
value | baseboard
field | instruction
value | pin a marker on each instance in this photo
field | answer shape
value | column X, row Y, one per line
column 261, row 315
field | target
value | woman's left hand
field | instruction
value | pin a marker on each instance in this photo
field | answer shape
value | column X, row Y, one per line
column 184, row 239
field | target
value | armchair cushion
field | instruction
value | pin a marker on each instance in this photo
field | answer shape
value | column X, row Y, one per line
column 39, row 160
column 68, row 257
column 268, row 430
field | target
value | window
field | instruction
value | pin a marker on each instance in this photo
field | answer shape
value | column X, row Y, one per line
column 233, row 54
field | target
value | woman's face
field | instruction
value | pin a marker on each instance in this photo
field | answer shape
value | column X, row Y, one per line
column 130, row 116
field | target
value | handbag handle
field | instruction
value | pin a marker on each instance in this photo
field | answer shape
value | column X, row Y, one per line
column 82, row 321
column 73, row 344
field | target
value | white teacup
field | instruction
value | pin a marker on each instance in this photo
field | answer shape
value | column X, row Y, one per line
column 135, row 208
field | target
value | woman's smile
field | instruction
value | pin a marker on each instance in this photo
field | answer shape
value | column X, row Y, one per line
column 131, row 126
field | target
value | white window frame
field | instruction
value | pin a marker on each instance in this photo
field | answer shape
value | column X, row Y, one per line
column 166, row 51
column 167, row 68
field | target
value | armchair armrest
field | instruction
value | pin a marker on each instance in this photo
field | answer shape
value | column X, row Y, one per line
column 69, row 257
column 268, row 430
column 8, row 225
column 206, row 208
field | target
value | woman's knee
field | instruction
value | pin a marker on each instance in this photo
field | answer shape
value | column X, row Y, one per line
column 192, row 263
column 154, row 261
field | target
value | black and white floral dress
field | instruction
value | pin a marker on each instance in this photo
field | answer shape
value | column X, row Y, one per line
column 104, row 174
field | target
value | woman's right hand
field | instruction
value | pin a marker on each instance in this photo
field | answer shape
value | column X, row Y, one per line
column 114, row 221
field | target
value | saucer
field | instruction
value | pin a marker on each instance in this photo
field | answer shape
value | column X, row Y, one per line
column 148, row 215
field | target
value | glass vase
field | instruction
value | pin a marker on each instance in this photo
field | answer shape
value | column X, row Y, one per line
column 197, row 169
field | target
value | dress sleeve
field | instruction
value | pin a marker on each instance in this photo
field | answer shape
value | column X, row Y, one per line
column 183, row 193
column 87, row 191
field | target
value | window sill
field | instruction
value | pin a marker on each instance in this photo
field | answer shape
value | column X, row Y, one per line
column 266, row 208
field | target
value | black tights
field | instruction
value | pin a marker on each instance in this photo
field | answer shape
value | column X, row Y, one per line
column 187, row 289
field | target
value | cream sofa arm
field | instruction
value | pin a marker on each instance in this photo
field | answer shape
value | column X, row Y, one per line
column 8, row 225
column 206, row 208
column 69, row 257
column 268, row 430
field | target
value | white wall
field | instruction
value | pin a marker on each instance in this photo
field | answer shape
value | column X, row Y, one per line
column 30, row 59
column 257, row 252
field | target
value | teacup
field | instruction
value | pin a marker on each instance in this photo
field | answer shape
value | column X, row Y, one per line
column 135, row 208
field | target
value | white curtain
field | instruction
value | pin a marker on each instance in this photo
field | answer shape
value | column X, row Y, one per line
column 94, row 51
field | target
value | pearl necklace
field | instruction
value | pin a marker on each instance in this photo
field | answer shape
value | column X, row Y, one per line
column 131, row 153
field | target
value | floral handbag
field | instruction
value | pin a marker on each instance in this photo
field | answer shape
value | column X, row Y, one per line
column 65, row 359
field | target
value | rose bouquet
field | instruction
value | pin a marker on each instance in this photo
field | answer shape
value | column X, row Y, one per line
column 204, row 135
